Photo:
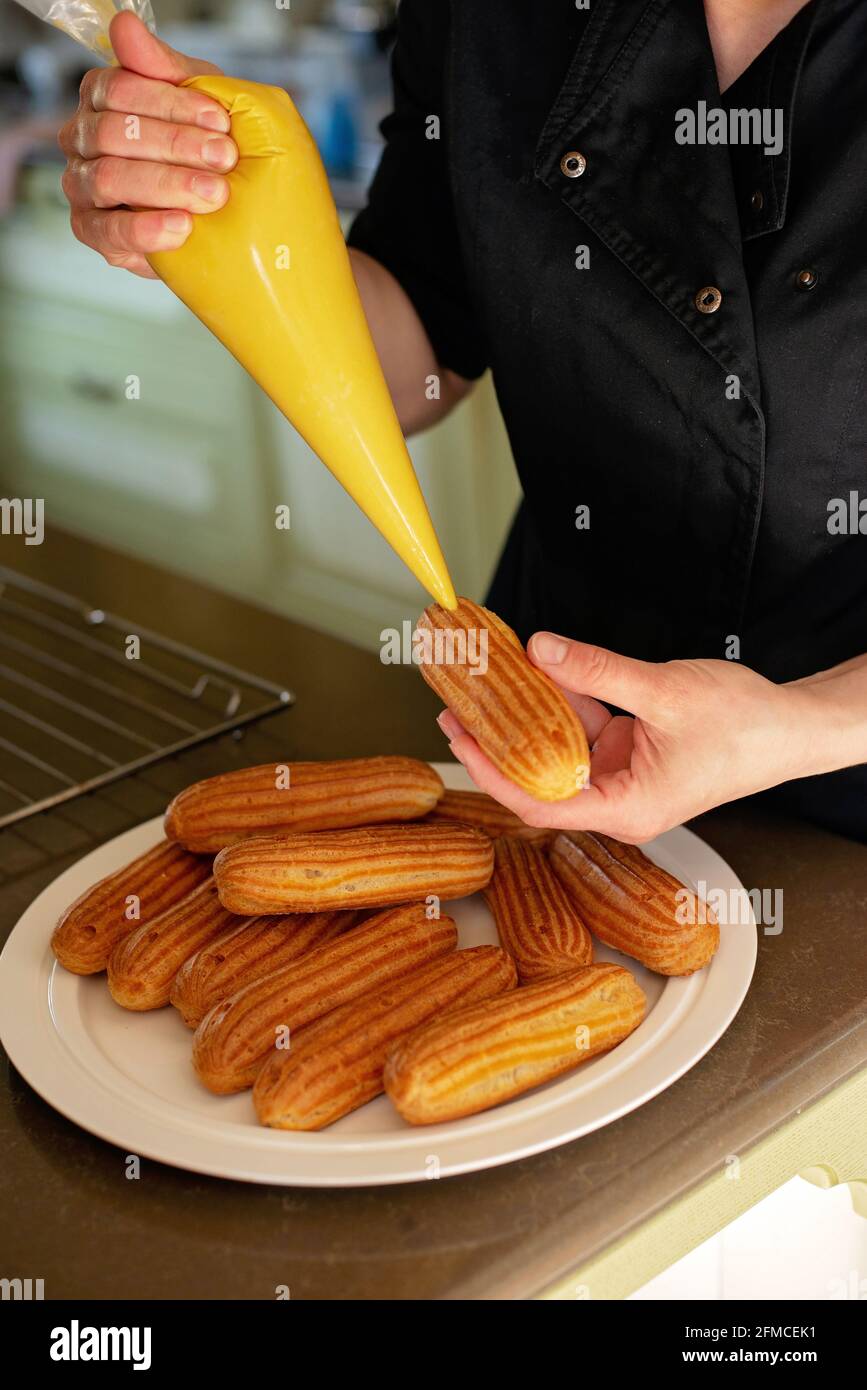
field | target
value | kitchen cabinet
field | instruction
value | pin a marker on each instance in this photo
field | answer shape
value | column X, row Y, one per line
column 155, row 474
column 140, row 430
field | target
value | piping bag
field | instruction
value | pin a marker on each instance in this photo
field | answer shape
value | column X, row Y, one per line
column 269, row 274
column 88, row 21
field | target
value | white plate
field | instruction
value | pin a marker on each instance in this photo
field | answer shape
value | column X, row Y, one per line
column 127, row 1077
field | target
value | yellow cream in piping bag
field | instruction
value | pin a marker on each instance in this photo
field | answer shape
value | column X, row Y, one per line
column 269, row 274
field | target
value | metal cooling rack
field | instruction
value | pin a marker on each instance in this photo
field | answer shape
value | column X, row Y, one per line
column 76, row 712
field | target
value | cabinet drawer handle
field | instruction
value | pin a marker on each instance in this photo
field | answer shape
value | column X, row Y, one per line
column 93, row 389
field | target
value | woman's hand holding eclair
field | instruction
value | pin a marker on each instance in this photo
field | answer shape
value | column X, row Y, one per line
column 699, row 733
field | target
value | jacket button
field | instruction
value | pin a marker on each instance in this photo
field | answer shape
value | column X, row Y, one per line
column 708, row 300
column 806, row 279
column 573, row 164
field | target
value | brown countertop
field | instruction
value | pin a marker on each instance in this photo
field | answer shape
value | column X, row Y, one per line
column 74, row 1220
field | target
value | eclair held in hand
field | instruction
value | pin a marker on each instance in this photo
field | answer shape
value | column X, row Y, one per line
column 516, row 714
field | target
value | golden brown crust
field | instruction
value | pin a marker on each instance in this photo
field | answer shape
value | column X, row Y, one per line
column 483, row 813
column 236, row 1036
column 489, row 1052
column 536, row 922
column 143, row 965
column 91, row 927
column 634, row 906
column 335, row 1065
column 365, row 867
column 518, row 717
column 247, row 950
column 314, row 796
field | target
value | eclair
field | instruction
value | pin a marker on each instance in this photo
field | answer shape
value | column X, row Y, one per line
column 142, row 966
column 634, row 906
column 292, row 797
column 367, row 867
column 237, row 1035
column 490, row 1052
column 483, row 813
column 536, row 922
column 89, row 930
column 336, row 1063
column 247, row 950
column 520, row 719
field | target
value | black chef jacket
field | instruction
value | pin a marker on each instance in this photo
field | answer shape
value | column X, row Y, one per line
column 677, row 331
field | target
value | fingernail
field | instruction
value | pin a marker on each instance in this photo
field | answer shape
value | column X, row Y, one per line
column 220, row 154
column 549, row 648
column 211, row 189
column 214, row 120
column 176, row 222
column 440, row 718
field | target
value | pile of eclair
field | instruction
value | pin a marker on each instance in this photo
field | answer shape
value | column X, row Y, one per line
column 292, row 916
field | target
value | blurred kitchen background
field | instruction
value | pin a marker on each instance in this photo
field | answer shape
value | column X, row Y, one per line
column 189, row 475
